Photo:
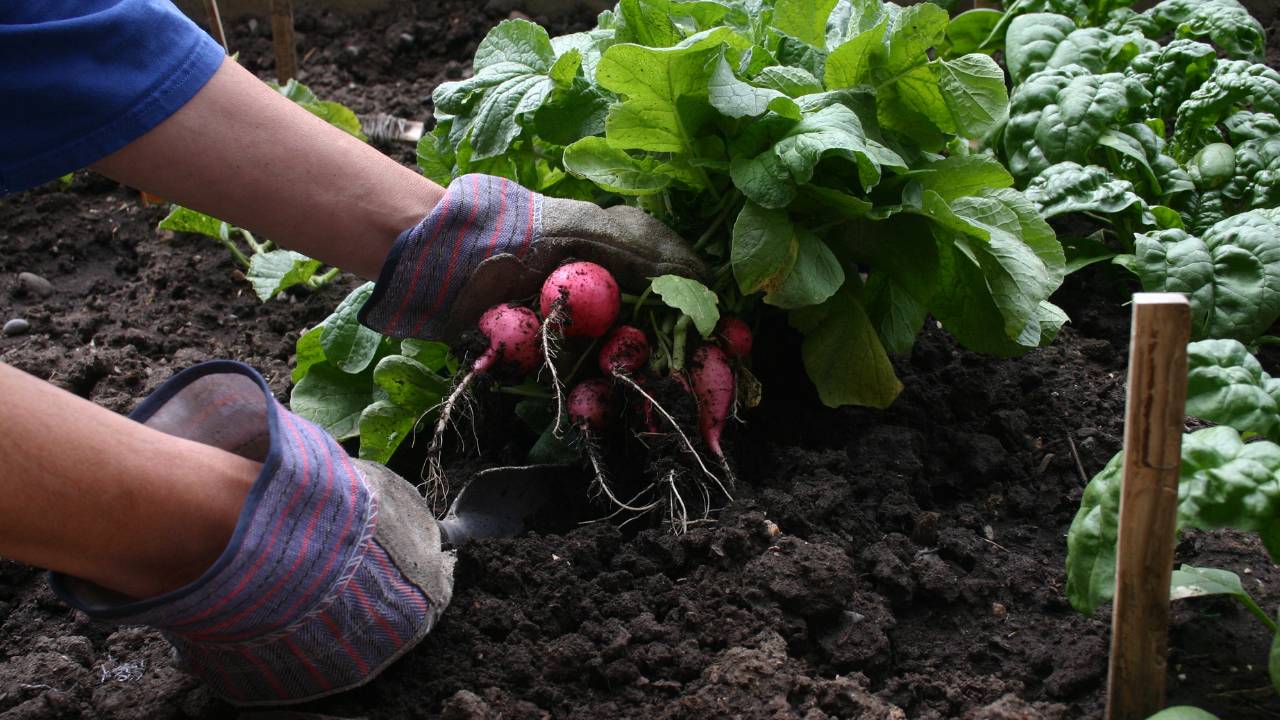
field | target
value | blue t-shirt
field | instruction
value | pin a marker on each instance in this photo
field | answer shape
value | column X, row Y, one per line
column 80, row 79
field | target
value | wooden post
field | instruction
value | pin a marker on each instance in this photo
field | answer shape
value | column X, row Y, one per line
column 215, row 24
column 282, row 38
column 1154, row 410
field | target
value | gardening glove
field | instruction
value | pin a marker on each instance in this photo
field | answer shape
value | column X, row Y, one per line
column 490, row 240
column 334, row 569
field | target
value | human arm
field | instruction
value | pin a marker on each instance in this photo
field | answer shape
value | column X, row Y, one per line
column 241, row 152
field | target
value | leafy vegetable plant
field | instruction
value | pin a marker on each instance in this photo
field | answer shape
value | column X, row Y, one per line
column 815, row 151
column 1230, row 477
column 1175, row 147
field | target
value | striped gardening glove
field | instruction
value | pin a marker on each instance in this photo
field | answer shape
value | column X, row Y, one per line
column 490, row 240
column 334, row 569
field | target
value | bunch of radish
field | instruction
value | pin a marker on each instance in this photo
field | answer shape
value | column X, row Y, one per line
column 580, row 303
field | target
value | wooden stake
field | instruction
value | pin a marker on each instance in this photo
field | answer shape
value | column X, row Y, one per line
column 282, row 38
column 1154, row 410
column 215, row 24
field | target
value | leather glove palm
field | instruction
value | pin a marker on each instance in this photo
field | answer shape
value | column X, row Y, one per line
column 490, row 240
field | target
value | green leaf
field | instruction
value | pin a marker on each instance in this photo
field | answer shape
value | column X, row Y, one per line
column 409, row 384
column 770, row 178
column 1231, row 274
column 275, row 271
column 999, row 261
column 1172, row 72
column 973, row 89
column 1224, row 482
column 181, row 219
column 1227, row 385
column 1040, row 41
column 308, row 351
column 967, row 31
column 851, row 63
column 435, row 154
column 764, row 248
column 1233, row 85
column 382, row 427
column 844, row 358
column 805, row 20
column 961, row 175
column 433, row 354
column 663, row 89
column 613, row 169
column 1060, row 114
column 1225, row 22
column 573, row 113
column 790, row 81
column 333, row 399
column 348, row 345
column 1069, row 188
column 648, row 23
column 816, row 275
column 691, row 298
column 737, row 99
column 1189, row 582
column 513, row 66
column 1031, row 40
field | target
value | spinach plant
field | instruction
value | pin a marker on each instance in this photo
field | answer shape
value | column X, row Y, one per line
column 1229, row 477
column 1175, row 148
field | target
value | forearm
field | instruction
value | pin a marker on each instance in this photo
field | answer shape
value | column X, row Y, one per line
column 246, row 154
column 94, row 494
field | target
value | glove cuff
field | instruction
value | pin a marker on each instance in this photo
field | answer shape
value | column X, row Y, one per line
column 304, row 601
column 479, row 216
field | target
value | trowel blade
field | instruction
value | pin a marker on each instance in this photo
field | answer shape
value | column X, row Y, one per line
column 499, row 502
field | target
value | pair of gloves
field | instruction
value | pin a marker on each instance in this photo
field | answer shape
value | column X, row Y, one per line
column 335, row 568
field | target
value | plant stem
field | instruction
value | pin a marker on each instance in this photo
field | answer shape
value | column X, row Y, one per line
column 641, row 299
column 230, row 245
column 521, row 391
column 258, row 247
column 589, row 352
column 677, row 351
column 1258, row 612
column 644, row 298
column 726, row 207
column 318, row 281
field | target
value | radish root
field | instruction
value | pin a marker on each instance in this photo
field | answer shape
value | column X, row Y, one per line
column 679, row 431
column 435, row 485
column 550, row 339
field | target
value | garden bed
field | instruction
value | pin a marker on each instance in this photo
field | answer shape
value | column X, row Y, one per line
column 905, row 563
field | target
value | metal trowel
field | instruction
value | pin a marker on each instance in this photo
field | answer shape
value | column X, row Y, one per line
column 504, row 501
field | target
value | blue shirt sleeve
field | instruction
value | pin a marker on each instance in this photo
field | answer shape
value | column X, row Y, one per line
column 80, row 79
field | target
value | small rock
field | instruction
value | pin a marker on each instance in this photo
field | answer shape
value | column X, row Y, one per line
column 35, row 285
column 16, row 326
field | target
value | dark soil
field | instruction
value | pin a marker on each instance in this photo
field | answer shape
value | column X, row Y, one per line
column 897, row 564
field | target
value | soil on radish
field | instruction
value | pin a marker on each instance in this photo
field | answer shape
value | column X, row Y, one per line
column 910, row 558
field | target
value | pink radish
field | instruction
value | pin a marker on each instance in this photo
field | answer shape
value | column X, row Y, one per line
column 591, row 411
column 589, row 405
column 625, row 351
column 513, row 333
column 578, row 299
column 588, row 295
column 735, row 336
column 714, row 387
